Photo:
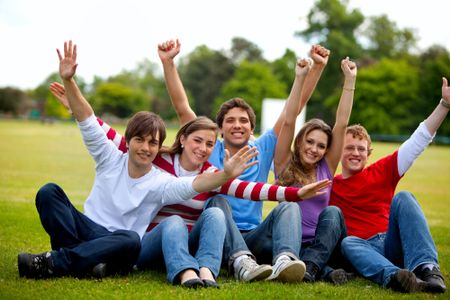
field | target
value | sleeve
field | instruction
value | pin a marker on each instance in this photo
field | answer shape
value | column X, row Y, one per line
column 177, row 189
column 112, row 135
column 412, row 148
column 258, row 191
column 96, row 142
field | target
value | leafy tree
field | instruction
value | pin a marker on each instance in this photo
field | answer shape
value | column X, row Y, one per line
column 434, row 64
column 119, row 100
column 242, row 49
column 11, row 100
column 253, row 81
column 203, row 72
column 334, row 26
column 386, row 93
column 385, row 39
column 284, row 68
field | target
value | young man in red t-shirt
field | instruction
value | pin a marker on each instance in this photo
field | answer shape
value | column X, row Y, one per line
column 389, row 240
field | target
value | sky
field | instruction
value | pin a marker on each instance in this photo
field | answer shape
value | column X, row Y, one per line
column 114, row 35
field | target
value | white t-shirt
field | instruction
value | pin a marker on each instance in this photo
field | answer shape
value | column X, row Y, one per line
column 118, row 201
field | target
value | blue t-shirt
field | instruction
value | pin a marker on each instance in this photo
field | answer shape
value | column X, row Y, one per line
column 248, row 214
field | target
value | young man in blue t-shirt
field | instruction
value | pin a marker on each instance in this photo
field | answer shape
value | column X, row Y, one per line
column 276, row 239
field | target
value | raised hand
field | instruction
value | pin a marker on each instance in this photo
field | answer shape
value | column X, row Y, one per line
column 59, row 92
column 68, row 63
column 349, row 68
column 235, row 165
column 169, row 49
column 319, row 54
column 445, row 90
column 302, row 67
column 313, row 189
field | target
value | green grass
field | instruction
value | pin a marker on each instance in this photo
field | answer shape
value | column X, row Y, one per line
column 33, row 154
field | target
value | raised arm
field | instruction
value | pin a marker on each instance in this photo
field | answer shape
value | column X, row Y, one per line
column 81, row 109
column 319, row 55
column 424, row 134
column 167, row 52
column 343, row 111
column 283, row 147
column 59, row 92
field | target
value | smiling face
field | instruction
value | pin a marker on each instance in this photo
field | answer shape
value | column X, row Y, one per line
column 313, row 147
column 141, row 153
column 197, row 147
column 236, row 129
column 355, row 155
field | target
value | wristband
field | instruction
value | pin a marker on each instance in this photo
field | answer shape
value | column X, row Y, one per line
column 444, row 104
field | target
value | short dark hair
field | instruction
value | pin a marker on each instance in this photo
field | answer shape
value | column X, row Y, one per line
column 145, row 123
column 232, row 103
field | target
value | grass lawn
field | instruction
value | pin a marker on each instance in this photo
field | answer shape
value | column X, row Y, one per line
column 33, row 154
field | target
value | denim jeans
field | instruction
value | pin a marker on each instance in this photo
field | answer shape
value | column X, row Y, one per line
column 325, row 250
column 169, row 245
column 279, row 234
column 234, row 245
column 407, row 243
column 77, row 242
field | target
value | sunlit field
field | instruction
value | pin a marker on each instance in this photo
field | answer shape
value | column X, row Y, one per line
column 34, row 153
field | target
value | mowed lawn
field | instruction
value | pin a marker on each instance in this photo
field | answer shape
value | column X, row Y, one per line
column 33, row 153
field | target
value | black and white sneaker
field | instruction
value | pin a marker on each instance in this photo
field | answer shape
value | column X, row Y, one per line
column 35, row 265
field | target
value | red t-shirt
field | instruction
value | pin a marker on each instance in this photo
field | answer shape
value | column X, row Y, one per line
column 365, row 198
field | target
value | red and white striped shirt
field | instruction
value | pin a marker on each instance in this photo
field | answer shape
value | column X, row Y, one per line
column 190, row 210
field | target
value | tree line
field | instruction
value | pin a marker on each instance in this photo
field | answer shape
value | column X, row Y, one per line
column 397, row 86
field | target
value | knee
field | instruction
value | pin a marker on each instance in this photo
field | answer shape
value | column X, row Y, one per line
column 215, row 215
column 46, row 194
column 173, row 226
column 349, row 243
column 131, row 239
column 404, row 199
column 220, row 202
column 333, row 214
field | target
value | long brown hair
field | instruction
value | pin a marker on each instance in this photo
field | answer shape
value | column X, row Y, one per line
column 199, row 123
column 296, row 171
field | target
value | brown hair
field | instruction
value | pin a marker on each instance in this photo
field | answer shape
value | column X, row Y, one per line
column 145, row 123
column 232, row 103
column 295, row 170
column 358, row 131
column 199, row 123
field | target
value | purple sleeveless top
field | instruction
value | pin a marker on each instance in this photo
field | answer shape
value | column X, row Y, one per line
column 311, row 208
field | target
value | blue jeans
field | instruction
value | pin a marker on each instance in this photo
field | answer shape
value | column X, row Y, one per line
column 407, row 243
column 170, row 245
column 279, row 234
column 77, row 242
column 234, row 245
column 325, row 251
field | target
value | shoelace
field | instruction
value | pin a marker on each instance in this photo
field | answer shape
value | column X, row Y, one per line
column 40, row 263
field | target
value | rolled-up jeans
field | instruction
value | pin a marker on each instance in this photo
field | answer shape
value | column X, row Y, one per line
column 407, row 243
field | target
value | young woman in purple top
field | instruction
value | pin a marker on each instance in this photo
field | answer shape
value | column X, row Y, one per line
column 316, row 153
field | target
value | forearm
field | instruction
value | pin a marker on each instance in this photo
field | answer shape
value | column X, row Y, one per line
column 177, row 92
column 206, row 182
column 434, row 121
column 81, row 109
column 258, row 191
column 310, row 85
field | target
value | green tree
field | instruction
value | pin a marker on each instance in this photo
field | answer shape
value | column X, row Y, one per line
column 434, row 64
column 119, row 100
column 253, row 81
column 11, row 100
column 386, row 93
column 203, row 72
column 385, row 39
column 334, row 26
column 242, row 49
column 284, row 68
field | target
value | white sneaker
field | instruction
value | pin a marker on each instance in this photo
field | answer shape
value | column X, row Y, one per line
column 248, row 270
column 287, row 270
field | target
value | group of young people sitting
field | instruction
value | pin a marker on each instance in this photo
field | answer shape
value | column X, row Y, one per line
column 195, row 207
